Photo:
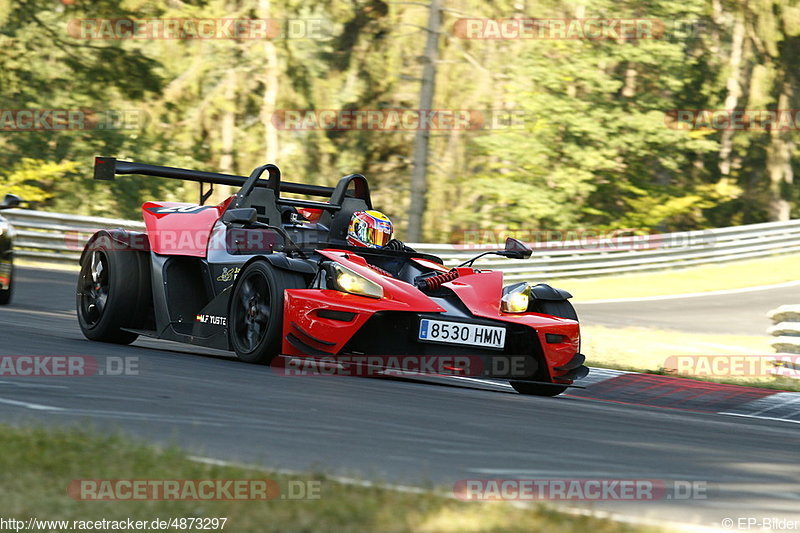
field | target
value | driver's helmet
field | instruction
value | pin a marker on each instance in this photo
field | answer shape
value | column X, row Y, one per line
column 371, row 229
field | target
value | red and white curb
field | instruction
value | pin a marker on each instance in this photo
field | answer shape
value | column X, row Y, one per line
column 668, row 392
column 689, row 395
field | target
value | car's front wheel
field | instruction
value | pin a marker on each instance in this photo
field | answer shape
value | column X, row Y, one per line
column 559, row 308
column 255, row 319
column 535, row 389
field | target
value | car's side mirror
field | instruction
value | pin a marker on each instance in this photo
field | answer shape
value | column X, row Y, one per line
column 10, row 201
column 240, row 215
column 516, row 249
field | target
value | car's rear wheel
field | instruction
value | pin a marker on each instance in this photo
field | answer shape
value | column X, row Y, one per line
column 256, row 311
column 8, row 292
column 561, row 309
column 109, row 287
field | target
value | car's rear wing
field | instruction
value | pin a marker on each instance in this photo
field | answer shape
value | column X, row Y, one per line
column 106, row 168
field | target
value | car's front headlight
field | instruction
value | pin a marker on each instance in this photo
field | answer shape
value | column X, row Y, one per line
column 346, row 280
column 516, row 298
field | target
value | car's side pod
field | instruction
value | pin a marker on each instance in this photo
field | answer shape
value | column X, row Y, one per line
column 282, row 261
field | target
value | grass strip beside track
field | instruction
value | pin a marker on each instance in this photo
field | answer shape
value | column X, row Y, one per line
column 35, row 263
column 724, row 276
column 648, row 350
column 37, row 465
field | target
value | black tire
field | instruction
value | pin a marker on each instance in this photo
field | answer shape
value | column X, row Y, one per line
column 110, row 286
column 561, row 309
column 5, row 295
column 534, row 389
column 255, row 315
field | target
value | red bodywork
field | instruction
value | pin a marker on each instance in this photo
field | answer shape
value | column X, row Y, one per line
column 479, row 291
column 176, row 228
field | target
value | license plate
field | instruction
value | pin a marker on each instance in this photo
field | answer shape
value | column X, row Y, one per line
column 459, row 333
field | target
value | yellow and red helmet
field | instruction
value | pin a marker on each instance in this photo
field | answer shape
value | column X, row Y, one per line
column 371, row 229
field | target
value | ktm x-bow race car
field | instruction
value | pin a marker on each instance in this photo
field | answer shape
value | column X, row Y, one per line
column 277, row 280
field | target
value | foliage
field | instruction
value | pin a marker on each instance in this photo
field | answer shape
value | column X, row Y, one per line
column 594, row 146
column 31, row 179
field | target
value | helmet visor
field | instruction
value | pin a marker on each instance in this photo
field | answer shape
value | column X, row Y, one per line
column 379, row 236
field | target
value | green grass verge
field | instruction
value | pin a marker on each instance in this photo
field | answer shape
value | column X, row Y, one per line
column 37, row 465
column 735, row 275
column 648, row 350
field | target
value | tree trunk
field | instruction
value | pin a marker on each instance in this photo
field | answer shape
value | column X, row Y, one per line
column 228, row 126
column 419, row 177
column 270, row 96
column 779, row 161
column 227, row 139
column 734, row 92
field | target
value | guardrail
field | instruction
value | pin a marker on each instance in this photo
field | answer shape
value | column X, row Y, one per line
column 56, row 237
column 637, row 254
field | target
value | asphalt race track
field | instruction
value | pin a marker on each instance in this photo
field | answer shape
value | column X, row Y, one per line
column 387, row 430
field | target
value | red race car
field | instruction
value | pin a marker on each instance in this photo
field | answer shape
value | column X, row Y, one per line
column 284, row 280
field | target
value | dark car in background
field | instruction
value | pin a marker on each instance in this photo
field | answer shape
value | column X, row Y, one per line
column 7, row 250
